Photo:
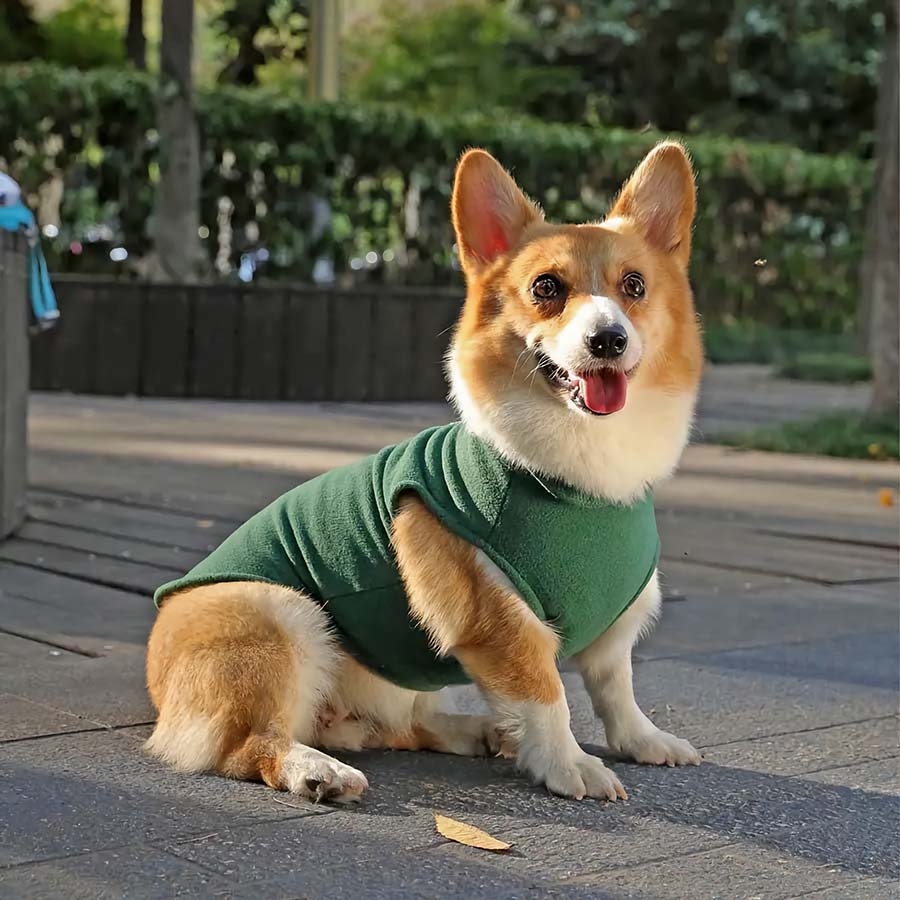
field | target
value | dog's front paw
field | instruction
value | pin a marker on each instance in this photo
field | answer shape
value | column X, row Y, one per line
column 585, row 776
column 657, row 748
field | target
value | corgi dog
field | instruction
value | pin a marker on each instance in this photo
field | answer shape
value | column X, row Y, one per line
column 482, row 551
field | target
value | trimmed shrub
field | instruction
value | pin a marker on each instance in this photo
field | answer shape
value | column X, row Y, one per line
column 778, row 235
column 836, row 368
column 849, row 434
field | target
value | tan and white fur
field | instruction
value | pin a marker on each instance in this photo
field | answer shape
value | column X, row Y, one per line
column 248, row 679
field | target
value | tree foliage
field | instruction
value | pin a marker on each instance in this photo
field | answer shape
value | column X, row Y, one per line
column 456, row 57
column 20, row 34
column 803, row 72
column 256, row 34
column 84, row 34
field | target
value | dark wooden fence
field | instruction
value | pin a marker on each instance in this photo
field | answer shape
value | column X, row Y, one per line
column 13, row 380
column 254, row 343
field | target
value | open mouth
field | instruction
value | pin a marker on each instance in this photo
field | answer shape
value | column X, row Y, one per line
column 599, row 391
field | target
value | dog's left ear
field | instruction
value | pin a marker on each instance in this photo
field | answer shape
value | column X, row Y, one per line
column 660, row 198
column 490, row 212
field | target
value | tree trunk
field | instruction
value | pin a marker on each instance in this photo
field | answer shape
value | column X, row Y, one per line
column 135, row 43
column 323, row 50
column 885, row 276
column 178, row 255
column 243, row 21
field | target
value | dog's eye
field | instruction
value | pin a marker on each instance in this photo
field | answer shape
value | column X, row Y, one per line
column 546, row 287
column 633, row 285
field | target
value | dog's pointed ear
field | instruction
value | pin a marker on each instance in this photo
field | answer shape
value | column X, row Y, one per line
column 660, row 198
column 490, row 212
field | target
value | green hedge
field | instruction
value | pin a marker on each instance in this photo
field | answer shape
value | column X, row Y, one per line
column 387, row 175
column 836, row 368
column 751, row 341
column 849, row 434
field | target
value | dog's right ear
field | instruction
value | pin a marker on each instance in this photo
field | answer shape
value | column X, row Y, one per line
column 490, row 212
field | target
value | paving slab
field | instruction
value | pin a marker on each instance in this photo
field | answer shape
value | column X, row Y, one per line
column 710, row 705
column 863, row 889
column 852, row 828
column 420, row 876
column 746, row 487
column 880, row 776
column 735, row 871
column 606, row 836
column 111, row 875
column 626, row 840
column 720, row 610
column 230, row 458
column 720, row 545
column 787, row 684
column 819, row 751
column 869, row 659
column 77, row 793
column 198, row 534
column 373, row 862
column 107, row 691
column 72, row 610
column 21, row 719
column 114, row 572
column 133, row 549
column 737, row 397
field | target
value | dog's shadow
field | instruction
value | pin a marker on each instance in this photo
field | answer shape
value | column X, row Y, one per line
column 846, row 827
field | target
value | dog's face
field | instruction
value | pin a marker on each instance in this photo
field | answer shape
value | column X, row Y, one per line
column 583, row 316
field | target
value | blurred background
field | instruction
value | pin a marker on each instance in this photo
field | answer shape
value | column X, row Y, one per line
column 255, row 143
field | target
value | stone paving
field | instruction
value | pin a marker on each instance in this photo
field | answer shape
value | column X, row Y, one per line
column 776, row 655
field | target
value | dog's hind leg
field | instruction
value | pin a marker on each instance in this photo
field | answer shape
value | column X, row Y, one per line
column 238, row 672
column 295, row 767
column 441, row 732
column 368, row 712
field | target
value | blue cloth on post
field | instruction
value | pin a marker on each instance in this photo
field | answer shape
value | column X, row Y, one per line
column 18, row 217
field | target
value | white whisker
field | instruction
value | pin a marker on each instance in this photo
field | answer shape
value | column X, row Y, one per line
column 526, row 349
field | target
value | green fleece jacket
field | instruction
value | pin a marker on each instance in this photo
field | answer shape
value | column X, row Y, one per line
column 577, row 561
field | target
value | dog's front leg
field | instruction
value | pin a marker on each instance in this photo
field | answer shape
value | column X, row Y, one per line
column 471, row 611
column 516, row 669
column 606, row 668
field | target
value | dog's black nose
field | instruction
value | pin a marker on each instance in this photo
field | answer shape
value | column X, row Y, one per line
column 608, row 343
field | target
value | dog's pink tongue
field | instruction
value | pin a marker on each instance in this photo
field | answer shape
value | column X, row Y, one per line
column 604, row 391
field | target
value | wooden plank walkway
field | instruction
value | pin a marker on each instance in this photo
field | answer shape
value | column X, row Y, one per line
column 777, row 654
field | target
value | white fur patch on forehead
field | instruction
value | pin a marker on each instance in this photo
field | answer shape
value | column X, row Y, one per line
column 607, row 311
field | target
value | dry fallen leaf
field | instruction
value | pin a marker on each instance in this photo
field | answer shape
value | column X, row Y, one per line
column 468, row 835
column 886, row 497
